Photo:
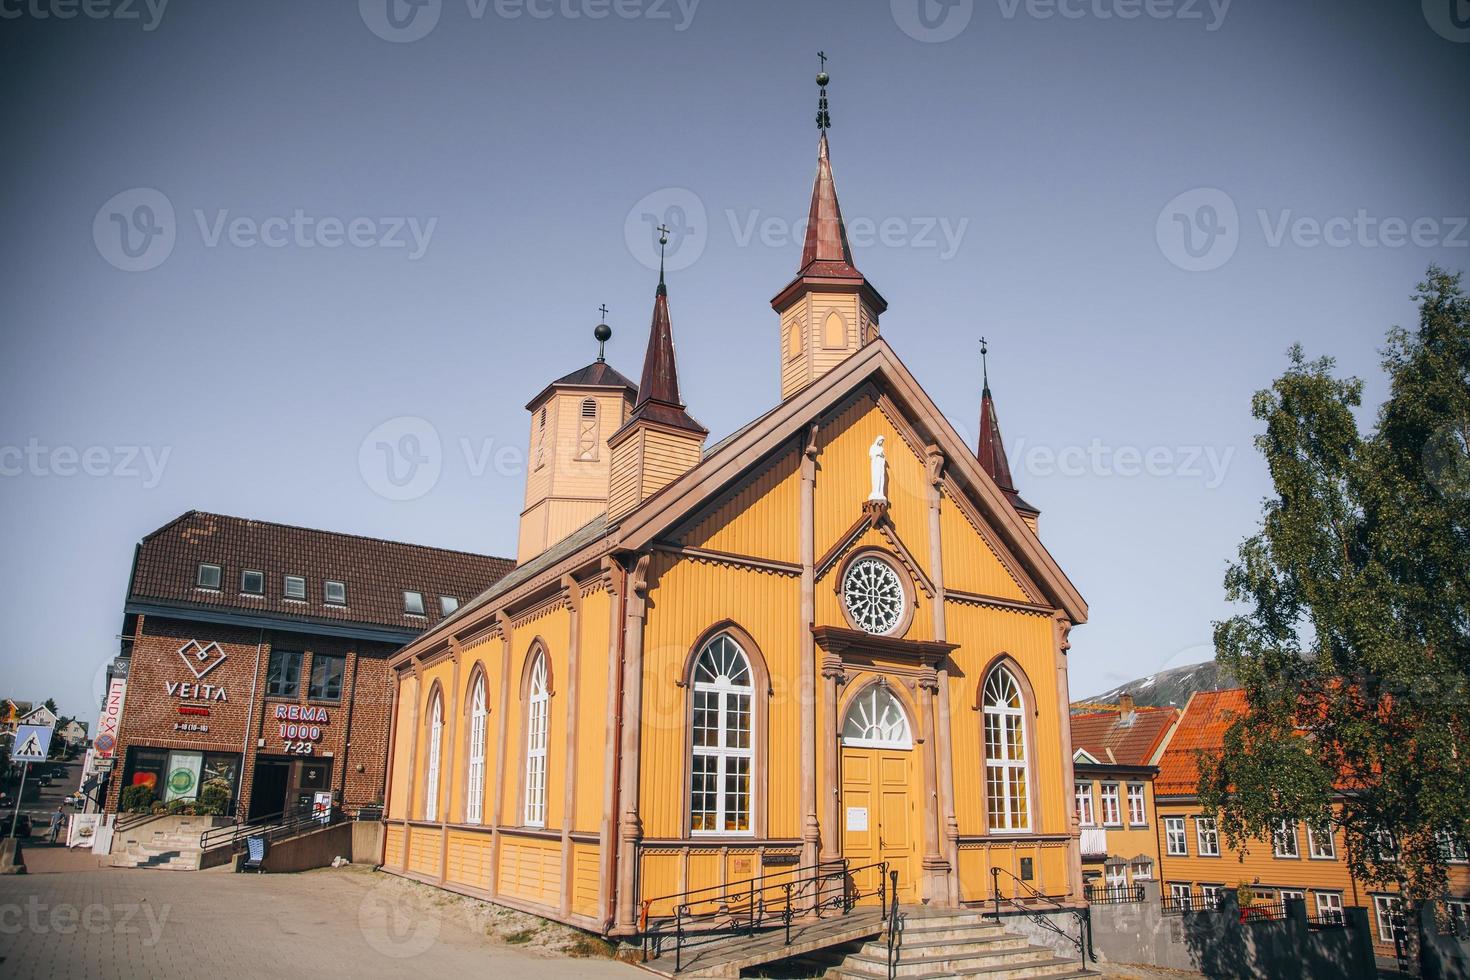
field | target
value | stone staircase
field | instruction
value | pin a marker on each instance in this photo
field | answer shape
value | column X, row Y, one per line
column 170, row 843
column 958, row 943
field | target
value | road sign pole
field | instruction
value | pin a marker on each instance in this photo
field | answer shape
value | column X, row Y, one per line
column 20, row 796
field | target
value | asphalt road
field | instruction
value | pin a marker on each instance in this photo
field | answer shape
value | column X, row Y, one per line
column 41, row 801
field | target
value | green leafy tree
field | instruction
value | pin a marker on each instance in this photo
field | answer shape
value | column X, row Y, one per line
column 1354, row 644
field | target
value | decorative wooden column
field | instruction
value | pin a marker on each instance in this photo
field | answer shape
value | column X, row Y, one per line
column 936, row 869
column 395, row 686
column 446, row 784
column 413, row 756
column 1062, row 628
column 630, row 826
column 503, row 620
column 811, row 830
column 833, row 677
column 572, row 593
column 943, row 733
column 612, row 573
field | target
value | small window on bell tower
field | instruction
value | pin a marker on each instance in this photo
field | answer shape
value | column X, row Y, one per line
column 587, row 432
column 834, row 331
column 793, row 339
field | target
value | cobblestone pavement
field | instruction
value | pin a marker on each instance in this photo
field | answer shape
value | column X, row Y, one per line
column 157, row 924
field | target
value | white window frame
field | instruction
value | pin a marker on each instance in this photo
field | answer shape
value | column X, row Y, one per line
column 1112, row 805
column 1137, row 815
column 1082, row 800
column 1116, row 875
column 1328, row 905
column 1283, row 834
column 1174, row 829
column 733, row 682
column 1206, row 826
column 1007, row 772
column 1383, row 909
column 1318, row 853
column 1454, row 851
column 286, row 583
column 1147, row 870
column 1457, row 916
column 475, row 774
column 448, row 605
column 218, row 576
column 876, row 720
column 436, row 749
column 1211, row 895
column 538, row 717
column 1283, row 894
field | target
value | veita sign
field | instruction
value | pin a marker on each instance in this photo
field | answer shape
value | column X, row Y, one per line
column 196, row 692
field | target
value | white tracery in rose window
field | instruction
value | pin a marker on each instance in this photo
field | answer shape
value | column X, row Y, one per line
column 874, row 595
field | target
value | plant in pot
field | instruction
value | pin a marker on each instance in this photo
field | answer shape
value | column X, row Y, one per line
column 136, row 799
column 214, row 798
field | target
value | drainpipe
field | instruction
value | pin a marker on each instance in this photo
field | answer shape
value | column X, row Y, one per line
column 245, row 749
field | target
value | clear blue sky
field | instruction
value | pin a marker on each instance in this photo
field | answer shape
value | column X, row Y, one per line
column 1051, row 141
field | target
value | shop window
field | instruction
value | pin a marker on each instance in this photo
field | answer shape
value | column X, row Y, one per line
column 326, row 677
column 283, row 674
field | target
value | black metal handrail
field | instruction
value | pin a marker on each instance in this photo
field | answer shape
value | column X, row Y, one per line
column 124, row 822
column 742, row 907
column 1083, row 917
column 273, row 827
column 895, row 927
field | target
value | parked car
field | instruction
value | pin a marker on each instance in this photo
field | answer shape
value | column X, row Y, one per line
column 44, row 780
column 22, row 825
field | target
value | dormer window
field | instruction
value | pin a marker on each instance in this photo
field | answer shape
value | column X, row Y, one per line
column 208, row 577
column 448, row 604
column 334, row 593
column 413, row 603
column 252, row 582
column 295, row 587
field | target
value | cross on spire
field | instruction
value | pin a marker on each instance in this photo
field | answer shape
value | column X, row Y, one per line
column 824, row 119
column 603, row 310
column 663, row 241
column 985, row 362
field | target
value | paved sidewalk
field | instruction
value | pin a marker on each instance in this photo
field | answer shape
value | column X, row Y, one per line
column 157, row 924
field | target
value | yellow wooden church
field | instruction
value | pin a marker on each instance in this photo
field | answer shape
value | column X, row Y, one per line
column 833, row 636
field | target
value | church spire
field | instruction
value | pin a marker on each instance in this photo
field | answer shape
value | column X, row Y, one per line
column 658, row 389
column 991, row 450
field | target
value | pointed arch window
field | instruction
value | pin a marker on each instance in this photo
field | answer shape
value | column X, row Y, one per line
column 1007, row 797
column 876, row 720
column 793, row 339
column 436, row 746
column 723, row 750
column 834, row 331
column 475, row 792
column 537, row 705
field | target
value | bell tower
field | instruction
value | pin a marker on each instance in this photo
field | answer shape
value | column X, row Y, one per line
column 830, row 309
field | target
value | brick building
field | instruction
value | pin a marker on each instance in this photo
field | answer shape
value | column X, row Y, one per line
column 256, row 655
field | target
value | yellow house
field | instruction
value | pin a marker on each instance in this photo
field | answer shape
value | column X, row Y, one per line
column 834, row 635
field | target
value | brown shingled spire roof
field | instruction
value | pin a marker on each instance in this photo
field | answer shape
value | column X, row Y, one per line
column 658, row 390
column 826, row 235
column 992, row 451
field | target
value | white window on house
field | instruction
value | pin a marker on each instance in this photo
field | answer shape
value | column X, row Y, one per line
column 1329, row 906
column 1455, row 918
column 436, row 746
column 294, row 587
column 1179, row 894
column 1137, row 813
column 1111, row 815
column 1283, row 840
column 1286, row 893
column 1143, row 870
column 1207, row 837
column 252, row 582
column 876, row 720
column 1388, row 913
column 475, row 795
column 537, row 706
column 1083, row 793
column 1210, row 896
column 208, row 577
column 1007, row 798
column 413, row 603
column 1117, row 875
column 447, row 605
column 1451, row 847
column 1320, row 844
column 722, row 743
column 334, row 593
column 1175, row 841
column 1385, row 847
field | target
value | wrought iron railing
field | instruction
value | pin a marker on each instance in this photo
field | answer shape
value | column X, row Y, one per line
column 1177, row 903
column 1327, row 919
column 1082, row 917
column 1113, row 894
column 895, row 926
column 273, row 827
column 776, row 897
column 1263, row 913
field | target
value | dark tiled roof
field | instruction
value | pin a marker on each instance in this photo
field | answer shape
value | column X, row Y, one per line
column 1203, row 725
column 598, row 374
column 376, row 572
column 1131, row 745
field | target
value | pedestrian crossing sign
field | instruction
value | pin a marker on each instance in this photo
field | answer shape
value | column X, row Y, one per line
column 32, row 742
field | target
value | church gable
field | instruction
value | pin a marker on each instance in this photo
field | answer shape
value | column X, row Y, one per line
column 973, row 562
column 758, row 519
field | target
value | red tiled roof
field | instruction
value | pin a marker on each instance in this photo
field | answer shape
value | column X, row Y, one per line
column 1206, row 717
column 1131, row 745
column 376, row 572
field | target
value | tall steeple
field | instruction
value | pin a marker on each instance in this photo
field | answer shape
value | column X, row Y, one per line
column 660, row 440
column 991, row 450
column 829, row 310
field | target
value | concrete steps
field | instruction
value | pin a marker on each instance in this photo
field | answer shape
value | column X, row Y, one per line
column 937, row 943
